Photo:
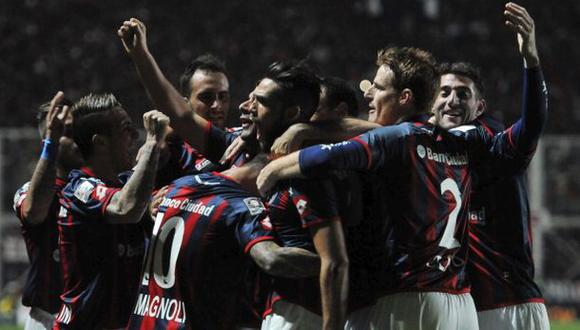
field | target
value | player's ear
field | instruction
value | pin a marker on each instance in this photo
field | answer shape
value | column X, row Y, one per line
column 406, row 97
column 293, row 114
column 481, row 106
column 341, row 110
column 99, row 140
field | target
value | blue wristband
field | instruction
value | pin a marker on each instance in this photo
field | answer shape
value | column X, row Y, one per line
column 49, row 150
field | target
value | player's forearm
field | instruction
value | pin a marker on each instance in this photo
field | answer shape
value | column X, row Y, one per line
column 294, row 262
column 334, row 292
column 130, row 203
column 527, row 131
column 40, row 195
column 168, row 100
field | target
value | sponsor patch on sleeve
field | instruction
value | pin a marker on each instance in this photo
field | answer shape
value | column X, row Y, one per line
column 20, row 195
column 254, row 205
column 84, row 191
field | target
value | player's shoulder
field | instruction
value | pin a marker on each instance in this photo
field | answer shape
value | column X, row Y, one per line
column 81, row 185
column 20, row 195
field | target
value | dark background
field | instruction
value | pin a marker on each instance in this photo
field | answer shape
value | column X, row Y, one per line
column 71, row 45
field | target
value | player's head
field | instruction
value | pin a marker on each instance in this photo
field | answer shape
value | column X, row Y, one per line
column 103, row 131
column 460, row 98
column 69, row 156
column 205, row 85
column 337, row 100
column 404, row 84
column 287, row 94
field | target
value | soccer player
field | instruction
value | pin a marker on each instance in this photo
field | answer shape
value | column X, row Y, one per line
column 100, row 256
column 283, row 97
column 36, row 205
column 205, row 226
column 205, row 85
column 500, row 266
column 427, row 175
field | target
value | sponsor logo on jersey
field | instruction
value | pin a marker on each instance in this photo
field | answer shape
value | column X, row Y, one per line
column 443, row 157
column 203, row 164
column 187, row 205
column 254, row 205
column 477, row 217
column 330, row 146
column 160, row 308
column 84, row 191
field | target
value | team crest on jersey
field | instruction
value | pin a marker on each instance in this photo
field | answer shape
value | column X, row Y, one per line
column 84, row 191
column 101, row 192
column 254, row 205
column 266, row 223
column 301, row 206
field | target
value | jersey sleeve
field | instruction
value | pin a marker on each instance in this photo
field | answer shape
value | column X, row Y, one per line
column 511, row 150
column 364, row 152
column 19, row 197
column 217, row 142
column 314, row 200
column 254, row 225
column 91, row 196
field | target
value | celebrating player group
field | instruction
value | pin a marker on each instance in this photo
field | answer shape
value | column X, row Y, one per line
column 305, row 217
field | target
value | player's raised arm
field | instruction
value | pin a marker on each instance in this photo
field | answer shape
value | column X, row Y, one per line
column 526, row 132
column 36, row 205
column 166, row 98
column 130, row 203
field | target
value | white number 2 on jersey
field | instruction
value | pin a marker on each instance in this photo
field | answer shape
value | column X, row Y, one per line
column 157, row 247
column 448, row 240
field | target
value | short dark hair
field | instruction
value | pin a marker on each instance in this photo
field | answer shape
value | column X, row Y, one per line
column 206, row 62
column 415, row 69
column 299, row 86
column 91, row 115
column 42, row 112
column 465, row 69
column 338, row 90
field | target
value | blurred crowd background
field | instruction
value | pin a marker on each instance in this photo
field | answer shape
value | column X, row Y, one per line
column 71, row 45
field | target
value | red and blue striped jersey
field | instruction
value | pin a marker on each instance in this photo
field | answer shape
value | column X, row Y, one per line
column 500, row 267
column 183, row 160
column 295, row 207
column 100, row 262
column 426, row 175
column 218, row 141
column 44, row 280
column 193, row 274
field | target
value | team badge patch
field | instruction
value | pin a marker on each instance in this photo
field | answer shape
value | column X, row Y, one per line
column 84, row 191
column 301, row 206
column 254, row 205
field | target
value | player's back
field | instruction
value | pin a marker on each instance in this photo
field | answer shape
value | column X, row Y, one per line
column 426, row 192
column 195, row 261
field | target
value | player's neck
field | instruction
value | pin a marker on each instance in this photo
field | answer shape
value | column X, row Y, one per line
column 102, row 169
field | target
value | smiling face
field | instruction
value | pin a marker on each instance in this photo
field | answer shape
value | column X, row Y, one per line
column 383, row 98
column 210, row 96
column 262, row 114
column 458, row 101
